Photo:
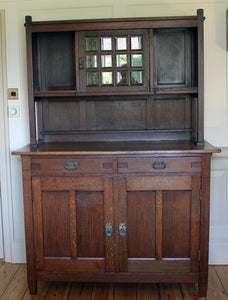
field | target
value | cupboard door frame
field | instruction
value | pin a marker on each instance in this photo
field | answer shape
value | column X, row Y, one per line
column 72, row 186
column 159, row 185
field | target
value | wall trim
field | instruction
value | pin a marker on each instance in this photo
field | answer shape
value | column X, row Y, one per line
column 5, row 148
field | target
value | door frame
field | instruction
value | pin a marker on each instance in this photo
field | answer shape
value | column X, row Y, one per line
column 5, row 174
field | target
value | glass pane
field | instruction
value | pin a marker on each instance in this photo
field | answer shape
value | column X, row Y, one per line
column 121, row 60
column 136, row 77
column 106, row 44
column 122, row 77
column 106, row 78
column 136, row 60
column 121, row 43
column 106, row 61
column 136, row 42
column 91, row 61
column 92, row 78
column 91, row 44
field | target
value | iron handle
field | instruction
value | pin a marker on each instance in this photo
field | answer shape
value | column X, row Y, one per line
column 122, row 229
column 71, row 165
column 108, row 229
column 159, row 164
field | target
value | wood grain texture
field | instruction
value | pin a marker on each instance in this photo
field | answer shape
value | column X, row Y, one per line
column 7, row 272
column 159, row 224
column 170, row 292
column 55, row 218
column 215, row 288
column 109, row 218
column 141, row 224
column 90, row 224
column 18, row 284
column 58, row 291
column 103, row 292
column 222, row 273
column 107, row 291
column 124, row 292
column 147, row 292
column 176, row 242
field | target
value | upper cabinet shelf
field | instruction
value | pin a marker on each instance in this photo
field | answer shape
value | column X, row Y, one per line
column 116, row 79
column 71, row 63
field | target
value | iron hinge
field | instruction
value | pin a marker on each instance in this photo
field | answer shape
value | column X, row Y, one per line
column 199, row 255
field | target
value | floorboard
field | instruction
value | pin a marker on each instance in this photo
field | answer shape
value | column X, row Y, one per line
column 13, row 286
column 222, row 273
column 215, row 289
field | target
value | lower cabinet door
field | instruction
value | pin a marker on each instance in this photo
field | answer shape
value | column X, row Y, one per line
column 73, row 220
column 158, row 221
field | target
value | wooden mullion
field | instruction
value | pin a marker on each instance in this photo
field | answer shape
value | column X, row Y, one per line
column 30, row 80
column 77, row 62
column 195, row 223
column 122, row 218
column 73, row 225
column 159, row 196
column 38, row 224
column 151, row 59
column 109, row 218
column 200, row 121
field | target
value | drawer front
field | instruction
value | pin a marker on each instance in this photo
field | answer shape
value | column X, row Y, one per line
column 72, row 166
column 158, row 165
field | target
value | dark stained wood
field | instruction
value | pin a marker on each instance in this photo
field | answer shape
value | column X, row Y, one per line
column 204, row 223
column 159, row 225
column 56, row 59
column 38, row 223
column 141, row 224
column 90, row 224
column 114, row 157
column 122, row 218
column 55, row 218
column 176, row 224
column 115, row 24
column 28, row 21
column 148, row 165
column 109, row 218
column 200, row 115
column 171, row 52
column 118, row 148
column 73, row 224
column 195, row 224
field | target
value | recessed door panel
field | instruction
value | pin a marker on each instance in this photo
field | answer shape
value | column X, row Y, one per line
column 141, row 224
column 90, row 224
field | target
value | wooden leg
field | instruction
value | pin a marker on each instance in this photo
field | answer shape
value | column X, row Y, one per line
column 202, row 285
column 32, row 287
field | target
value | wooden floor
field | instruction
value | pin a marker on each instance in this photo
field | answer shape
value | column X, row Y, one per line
column 13, row 286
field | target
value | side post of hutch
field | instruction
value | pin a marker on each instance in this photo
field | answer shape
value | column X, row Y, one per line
column 117, row 155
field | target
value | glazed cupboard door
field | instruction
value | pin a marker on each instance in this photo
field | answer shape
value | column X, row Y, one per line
column 159, row 224
column 69, row 224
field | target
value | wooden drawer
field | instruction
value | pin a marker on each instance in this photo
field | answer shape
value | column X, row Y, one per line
column 72, row 166
column 159, row 164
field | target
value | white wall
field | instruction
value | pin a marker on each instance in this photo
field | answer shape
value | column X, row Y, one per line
column 216, row 120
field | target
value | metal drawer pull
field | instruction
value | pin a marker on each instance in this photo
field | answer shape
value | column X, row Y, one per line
column 108, row 229
column 122, row 229
column 71, row 165
column 159, row 164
